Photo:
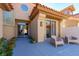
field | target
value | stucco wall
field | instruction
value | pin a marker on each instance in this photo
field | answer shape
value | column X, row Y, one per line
column 41, row 27
column 9, row 31
column 33, row 28
column 19, row 13
column 36, row 31
column 1, row 23
column 9, row 28
column 71, row 23
column 69, row 27
column 71, row 31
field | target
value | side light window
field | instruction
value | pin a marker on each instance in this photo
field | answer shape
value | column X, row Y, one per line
column 8, row 17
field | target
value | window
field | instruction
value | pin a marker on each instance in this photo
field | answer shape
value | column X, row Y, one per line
column 68, row 12
column 24, row 7
column 65, row 12
column 8, row 17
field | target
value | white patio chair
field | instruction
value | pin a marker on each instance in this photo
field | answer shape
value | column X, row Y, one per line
column 57, row 41
column 73, row 39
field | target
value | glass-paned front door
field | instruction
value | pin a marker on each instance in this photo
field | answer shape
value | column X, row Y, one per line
column 50, row 28
column 53, row 28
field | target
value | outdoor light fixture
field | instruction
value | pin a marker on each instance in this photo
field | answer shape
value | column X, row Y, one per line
column 41, row 24
column 78, row 24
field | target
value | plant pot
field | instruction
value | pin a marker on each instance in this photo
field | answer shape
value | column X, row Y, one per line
column 34, row 41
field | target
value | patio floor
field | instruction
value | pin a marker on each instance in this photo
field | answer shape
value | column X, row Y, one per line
column 25, row 48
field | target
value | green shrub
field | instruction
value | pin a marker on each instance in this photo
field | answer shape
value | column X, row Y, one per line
column 32, row 40
column 3, row 46
column 11, row 45
column 6, row 47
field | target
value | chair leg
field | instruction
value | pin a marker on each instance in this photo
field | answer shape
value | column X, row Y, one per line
column 68, row 42
column 56, row 45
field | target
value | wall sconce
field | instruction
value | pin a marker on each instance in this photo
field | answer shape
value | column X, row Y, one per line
column 78, row 24
column 41, row 23
column 63, row 26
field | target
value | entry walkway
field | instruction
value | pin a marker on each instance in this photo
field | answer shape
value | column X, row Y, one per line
column 25, row 48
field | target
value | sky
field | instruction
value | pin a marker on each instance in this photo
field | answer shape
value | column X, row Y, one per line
column 61, row 6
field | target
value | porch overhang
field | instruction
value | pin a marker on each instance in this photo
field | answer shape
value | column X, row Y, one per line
column 19, row 20
column 50, row 13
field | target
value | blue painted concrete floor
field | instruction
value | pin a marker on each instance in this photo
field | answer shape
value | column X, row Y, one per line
column 25, row 48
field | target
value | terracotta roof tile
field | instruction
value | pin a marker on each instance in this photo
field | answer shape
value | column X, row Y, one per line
column 51, row 9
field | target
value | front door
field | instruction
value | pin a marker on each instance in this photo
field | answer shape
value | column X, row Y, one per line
column 53, row 28
column 50, row 28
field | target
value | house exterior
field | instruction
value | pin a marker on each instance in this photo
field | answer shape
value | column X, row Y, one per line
column 43, row 22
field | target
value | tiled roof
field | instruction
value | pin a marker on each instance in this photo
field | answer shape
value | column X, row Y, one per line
column 51, row 9
column 71, row 7
column 48, row 11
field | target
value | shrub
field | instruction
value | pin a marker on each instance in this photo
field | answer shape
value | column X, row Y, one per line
column 3, row 46
column 6, row 47
column 11, row 44
column 32, row 40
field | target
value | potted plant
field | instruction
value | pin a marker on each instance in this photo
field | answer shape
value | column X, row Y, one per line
column 33, row 41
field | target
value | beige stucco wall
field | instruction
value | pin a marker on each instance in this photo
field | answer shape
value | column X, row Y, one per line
column 71, row 23
column 9, row 29
column 36, row 31
column 33, row 28
column 19, row 13
column 69, row 26
column 41, row 29
column 1, row 23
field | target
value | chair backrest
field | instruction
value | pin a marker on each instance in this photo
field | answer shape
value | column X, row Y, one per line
column 69, row 37
column 54, row 37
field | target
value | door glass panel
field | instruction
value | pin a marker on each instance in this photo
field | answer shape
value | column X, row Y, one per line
column 53, row 27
